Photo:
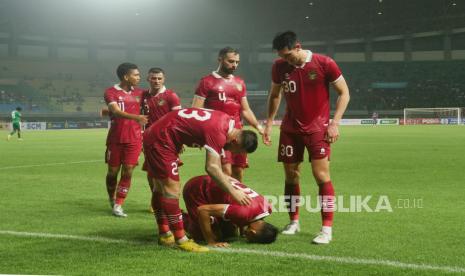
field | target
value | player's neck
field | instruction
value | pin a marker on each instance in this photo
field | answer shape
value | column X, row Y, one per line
column 303, row 57
column 156, row 91
column 223, row 74
column 125, row 86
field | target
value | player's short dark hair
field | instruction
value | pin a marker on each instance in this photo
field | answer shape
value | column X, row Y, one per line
column 19, row 108
column 226, row 50
column 267, row 234
column 285, row 39
column 124, row 68
column 249, row 141
column 156, row 70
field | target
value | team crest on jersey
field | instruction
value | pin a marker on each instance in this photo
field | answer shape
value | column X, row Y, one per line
column 161, row 102
column 137, row 98
column 239, row 87
column 286, row 76
column 312, row 75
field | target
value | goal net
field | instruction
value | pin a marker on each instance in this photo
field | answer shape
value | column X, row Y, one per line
column 433, row 116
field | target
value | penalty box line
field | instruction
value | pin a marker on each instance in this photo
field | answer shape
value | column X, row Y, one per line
column 278, row 254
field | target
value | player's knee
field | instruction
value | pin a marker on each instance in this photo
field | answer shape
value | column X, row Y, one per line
column 292, row 175
column 112, row 172
column 127, row 171
column 321, row 176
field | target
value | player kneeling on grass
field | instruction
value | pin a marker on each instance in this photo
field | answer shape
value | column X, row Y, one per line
column 213, row 216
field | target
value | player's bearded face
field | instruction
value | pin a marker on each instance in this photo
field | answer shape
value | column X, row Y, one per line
column 229, row 63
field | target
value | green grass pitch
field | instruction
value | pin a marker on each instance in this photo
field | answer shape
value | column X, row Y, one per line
column 55, row 217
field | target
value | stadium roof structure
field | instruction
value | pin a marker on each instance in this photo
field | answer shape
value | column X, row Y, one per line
column 213, row 21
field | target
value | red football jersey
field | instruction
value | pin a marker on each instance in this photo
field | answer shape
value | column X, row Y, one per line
column 193, row 127
column 206, row 191
column 155, row 106
column 306, row 90
column 224, row 94
column 124, row 130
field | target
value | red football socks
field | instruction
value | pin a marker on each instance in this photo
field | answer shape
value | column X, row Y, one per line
column 326, row 193
column 162, row 220
column 123, row 189
column 170, row 206
column 292, row 199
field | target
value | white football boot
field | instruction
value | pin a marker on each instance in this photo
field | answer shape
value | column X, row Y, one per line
column 324, row 237
column 291, row 229
column 118, row 211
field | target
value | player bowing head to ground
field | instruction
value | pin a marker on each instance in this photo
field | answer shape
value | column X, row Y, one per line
column 192, row 127
column 305, row 77
column 124, row 140
column 205, row 200
column 223, row 91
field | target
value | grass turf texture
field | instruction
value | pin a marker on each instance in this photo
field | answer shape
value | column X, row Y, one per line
column 404, row 163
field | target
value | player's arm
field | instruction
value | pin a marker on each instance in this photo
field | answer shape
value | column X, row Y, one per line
column 249, row 116
column 104, row 112
column 274, row 99
column 214, row 170
column 198, row 102
column 205, row 212
column 175, row 102
column 341, row 88
column 114, row 108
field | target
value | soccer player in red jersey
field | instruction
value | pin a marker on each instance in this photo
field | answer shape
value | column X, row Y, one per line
column 204, row 200
column 223, row 91
column 157, row 101
column 304, row 77
column 163, row 140
column 124, row 140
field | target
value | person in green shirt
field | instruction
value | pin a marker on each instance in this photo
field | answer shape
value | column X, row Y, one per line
column 16, row 122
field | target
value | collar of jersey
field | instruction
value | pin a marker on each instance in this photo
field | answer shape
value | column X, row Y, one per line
column 162, row 90
column 307, row 60
column 117, row 87
column 218, row 76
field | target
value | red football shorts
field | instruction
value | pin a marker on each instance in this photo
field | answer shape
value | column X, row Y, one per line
column 123, row 154
column 161, row 161
column 291, row 146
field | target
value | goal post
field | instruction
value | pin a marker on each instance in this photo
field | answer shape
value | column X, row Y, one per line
column 433, row 116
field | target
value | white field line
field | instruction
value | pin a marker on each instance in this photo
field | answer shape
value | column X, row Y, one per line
column 65, row 163
column 278, row 254
column 50, row 164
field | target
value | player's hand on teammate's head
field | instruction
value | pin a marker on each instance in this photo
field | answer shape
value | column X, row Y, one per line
column 241, row 197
